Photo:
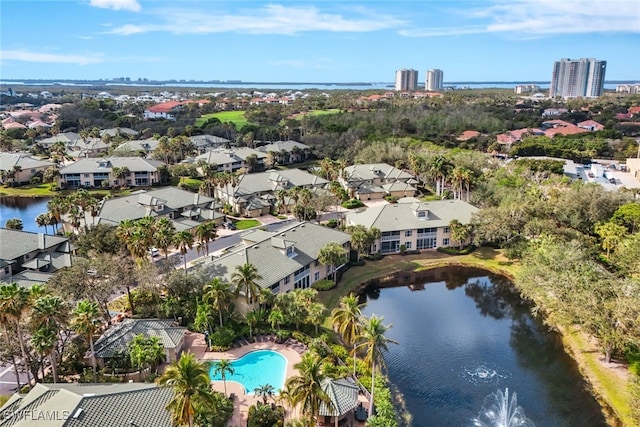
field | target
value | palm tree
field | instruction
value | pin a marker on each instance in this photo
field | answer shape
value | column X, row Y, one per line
column 306, row 388
column 58, row 206
column 50, row 313
column 347, row 320
column 42, row 220
column 223, row 367
column 189, row 380
column 252, row 318
column 244, row 279
column 375, row 343
column 163, row 233
column 332, row 254
column 265, row 391
column 44, row 342
column 217, row 293
column 205, row 233
column 276, row 318
column 183, row 241
column 14, row 304
column 86, row 321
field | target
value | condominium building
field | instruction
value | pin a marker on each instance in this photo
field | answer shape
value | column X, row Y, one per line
column 406, row 80
column 573, row 78
column 434, row 80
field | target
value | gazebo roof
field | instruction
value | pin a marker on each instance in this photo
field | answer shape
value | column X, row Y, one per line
column 343, row 395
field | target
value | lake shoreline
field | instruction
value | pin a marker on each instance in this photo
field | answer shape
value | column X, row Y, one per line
column 420, row 263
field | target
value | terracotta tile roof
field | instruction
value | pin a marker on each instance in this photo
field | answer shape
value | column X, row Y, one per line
column 468, row 134
column 165, row 107
column 591, row 124
column 555, row 127
column 633, row 110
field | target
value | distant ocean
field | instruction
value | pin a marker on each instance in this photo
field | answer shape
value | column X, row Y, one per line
column 292, row 86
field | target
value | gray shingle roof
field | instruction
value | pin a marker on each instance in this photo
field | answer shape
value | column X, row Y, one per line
column 16, row 243
column 272, row 264
column 25, row 161
column 343, row 395
column 402, row 216
column 119, row 131
column 134, row 206
column 135, row 164
column 117, row 338
column 282, row 146
column 208, row 140
column 89, row 405
column 373, row 171
column 275, row 180
column 148, row 144
column 223, row 156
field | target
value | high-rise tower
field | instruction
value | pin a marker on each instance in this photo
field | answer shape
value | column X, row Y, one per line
column 406, row 80
column 574, row 78
column 434, row 80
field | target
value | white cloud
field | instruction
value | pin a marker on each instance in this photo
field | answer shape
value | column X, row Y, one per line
column 538, row 18
column 27, row 56
column 131, row 5
column 271, row 19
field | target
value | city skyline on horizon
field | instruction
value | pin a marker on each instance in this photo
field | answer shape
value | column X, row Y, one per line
column 308, row 41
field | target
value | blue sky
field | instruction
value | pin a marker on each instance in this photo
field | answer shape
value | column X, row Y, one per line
column 314, row 41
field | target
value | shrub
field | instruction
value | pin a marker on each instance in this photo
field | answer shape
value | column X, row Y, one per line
column 455, row 251
column 332, row 223
column 352, row 204
column 391, row 199
column 282, row 335
column 374, row 257
column 222, row 338
column 261, row 415
column 323, row 285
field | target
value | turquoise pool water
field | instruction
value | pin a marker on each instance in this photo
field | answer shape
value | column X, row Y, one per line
column 255, row 369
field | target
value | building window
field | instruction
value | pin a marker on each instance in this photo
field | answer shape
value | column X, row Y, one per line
column 286, row 280
column 445, row 241
column 316, row 276
column 6, row 270
column 422, row 215
column 446, row 230
column 407, row 245
column 426, row 243
column 86, row 175
column 408, row 233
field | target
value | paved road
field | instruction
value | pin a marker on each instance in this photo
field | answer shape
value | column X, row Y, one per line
column 8, row 380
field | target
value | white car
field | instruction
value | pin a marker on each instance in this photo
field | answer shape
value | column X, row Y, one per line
column 154, row 252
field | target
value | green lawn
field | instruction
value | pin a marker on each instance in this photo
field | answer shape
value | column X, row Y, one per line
column 236, row 117
column 243, row 224
column 31, row 190
column 316, row 113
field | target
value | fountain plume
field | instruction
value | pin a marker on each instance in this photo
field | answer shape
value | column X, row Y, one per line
column 499, row 411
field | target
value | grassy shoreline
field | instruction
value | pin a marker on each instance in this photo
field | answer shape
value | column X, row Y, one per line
column 608, row 387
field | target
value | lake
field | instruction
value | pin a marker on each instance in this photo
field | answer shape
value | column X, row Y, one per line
column 25, row 208
column 464, row 334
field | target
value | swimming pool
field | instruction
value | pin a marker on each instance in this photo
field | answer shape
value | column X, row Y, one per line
column 256, row 369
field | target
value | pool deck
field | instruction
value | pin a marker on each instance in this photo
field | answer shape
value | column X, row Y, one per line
column 242, row 401
column 195, row 343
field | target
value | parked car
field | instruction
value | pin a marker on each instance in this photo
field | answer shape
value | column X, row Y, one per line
column 154, row 252
column 229, row 226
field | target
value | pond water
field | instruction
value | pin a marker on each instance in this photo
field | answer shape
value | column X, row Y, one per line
column 25, row 208
column 465, row 335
